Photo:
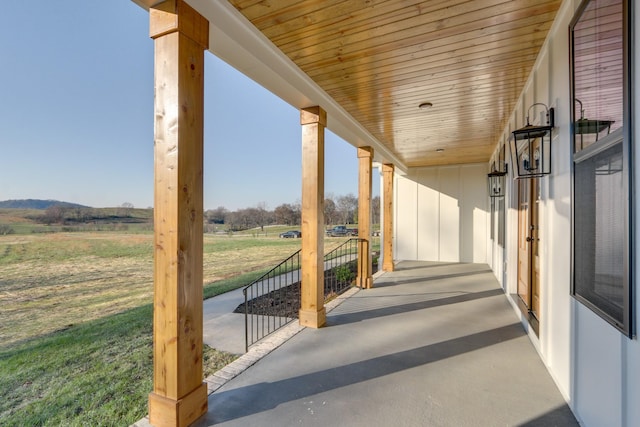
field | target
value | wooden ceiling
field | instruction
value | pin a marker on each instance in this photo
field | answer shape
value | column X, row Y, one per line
column 380, row 59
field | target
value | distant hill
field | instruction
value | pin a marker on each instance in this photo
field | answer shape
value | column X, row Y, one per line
column 37, row 204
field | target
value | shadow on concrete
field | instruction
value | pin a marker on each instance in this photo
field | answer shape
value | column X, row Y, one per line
column 559, row 417
column 380, row 283
column 408, row 265
column 253, row 399
column 341, row 319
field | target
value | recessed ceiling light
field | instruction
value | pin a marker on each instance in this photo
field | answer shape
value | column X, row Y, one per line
column 425, row 105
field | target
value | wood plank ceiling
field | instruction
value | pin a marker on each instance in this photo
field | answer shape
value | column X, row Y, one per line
column 380, row 59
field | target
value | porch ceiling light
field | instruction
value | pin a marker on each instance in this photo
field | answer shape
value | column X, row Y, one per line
column 531, row 147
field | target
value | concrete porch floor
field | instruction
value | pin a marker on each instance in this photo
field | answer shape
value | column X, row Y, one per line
column 432, row 344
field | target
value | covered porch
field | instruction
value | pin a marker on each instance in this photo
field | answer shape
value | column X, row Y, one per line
column 433, row 344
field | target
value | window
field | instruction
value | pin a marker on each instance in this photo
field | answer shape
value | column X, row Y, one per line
column 601, row 160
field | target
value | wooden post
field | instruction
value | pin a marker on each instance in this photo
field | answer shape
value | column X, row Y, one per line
column 312, row 311
column 180, row 36
column 365, row 160
column 387, row 227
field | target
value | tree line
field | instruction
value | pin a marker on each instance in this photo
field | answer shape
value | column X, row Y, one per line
column 341, row 210
column 66, row 214
column 337, row 210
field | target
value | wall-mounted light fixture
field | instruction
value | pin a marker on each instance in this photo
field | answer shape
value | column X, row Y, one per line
column 531, row 147
column 590, row 127
column 497, row 181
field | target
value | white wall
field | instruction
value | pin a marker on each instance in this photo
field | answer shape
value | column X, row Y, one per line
column 595, row 367
column 441, row 214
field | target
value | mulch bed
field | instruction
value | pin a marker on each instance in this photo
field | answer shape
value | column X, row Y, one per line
column 285, row 302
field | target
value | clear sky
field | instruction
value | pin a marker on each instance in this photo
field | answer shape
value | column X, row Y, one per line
column 76, row 116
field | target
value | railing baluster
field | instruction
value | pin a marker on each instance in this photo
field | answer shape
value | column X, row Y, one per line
column 246, row 321
column 270, row 310
column 260, row 320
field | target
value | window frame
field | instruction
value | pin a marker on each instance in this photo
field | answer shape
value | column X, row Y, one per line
column 627, row 326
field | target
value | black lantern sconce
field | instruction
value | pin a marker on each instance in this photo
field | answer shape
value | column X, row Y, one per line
column 531, row 147
column 497, row 181
column 499, row 170
column 590, row 127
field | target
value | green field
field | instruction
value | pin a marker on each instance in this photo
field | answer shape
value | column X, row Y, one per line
column 51, row 281
column 76, row 312
column 76, row 321
column 76, row 315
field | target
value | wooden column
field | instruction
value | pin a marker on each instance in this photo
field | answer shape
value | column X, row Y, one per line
column 312, row 311
column 365, row 160
column 387, row 227
column 180, row 36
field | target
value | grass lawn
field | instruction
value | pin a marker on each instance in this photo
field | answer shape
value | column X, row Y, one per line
column 76, row 320
column 49, row 282
column 96, row 373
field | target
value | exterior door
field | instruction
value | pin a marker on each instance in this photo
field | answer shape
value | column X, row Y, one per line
column 524, row 257
column 534, row 244
column 528, row 243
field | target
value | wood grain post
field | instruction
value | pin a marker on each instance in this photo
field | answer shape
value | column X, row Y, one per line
column 365, row 161
column 180, row 36
column 312, row 311
column 387, row 227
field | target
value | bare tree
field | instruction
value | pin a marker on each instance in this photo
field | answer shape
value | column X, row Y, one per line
column 217, row 215
column 286, row 214
column 232, row 219
column 54, row 214
column 347, row 208
column 79, row 213
column 330, row 211
column 245, row 218
column 261, row 215
column 375, row 210
column 125, row 209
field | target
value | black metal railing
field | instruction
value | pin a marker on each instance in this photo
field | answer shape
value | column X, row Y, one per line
column 273, row 300
column 340, row 268
column 270, row 301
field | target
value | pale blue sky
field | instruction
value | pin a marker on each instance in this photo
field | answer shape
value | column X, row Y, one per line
column 76, row 115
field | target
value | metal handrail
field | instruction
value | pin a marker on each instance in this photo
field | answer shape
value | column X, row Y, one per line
column 267, row 300
column 340, row 267
column 260, row 295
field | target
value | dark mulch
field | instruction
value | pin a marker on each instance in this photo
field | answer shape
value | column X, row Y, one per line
column 285, row 302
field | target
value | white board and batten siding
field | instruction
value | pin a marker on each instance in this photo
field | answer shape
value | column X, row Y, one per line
column 596, row 367
column 441, row 214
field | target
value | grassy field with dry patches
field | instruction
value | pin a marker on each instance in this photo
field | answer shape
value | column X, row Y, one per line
column 76, row 319
column 49, row 282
